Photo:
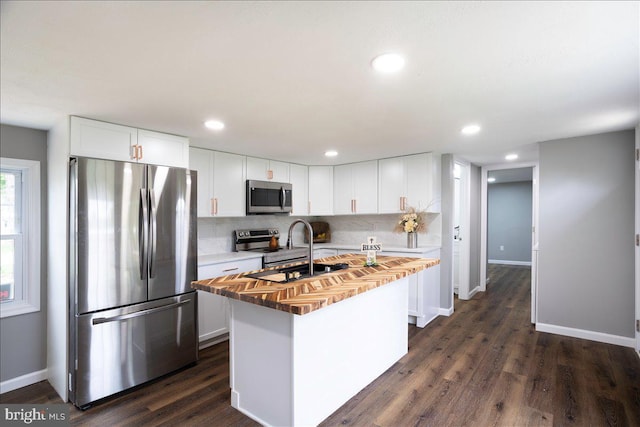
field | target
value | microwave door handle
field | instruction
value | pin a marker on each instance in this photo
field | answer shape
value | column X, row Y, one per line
column 283, row 198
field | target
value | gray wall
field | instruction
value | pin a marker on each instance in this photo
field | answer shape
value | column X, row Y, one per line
column 509, row 221
column 23, row 338
column 586, row 265
column 475, row 181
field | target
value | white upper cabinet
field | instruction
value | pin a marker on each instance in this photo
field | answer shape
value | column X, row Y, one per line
column 201, row 161
column 320, row 190
column 229, row 184
column 221, row 182
column 355, row 189
column 267, row 170
column 299, row 178
column 92, row 138
column 163, row 149
column 409, row 181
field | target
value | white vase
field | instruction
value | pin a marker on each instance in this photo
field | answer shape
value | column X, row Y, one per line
column 412, row 240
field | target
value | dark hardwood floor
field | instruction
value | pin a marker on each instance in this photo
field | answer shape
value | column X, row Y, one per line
column 483, row 366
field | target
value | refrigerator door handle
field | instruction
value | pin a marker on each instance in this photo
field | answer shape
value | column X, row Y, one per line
column 100, row 320
column 153, row 235
column 143, row 231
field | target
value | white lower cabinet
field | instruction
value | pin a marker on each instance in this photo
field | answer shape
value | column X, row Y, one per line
column 424, row 289
column 213, row 310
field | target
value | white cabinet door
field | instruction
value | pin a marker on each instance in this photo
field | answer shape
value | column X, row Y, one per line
column 299, row 177
column 267, row 170
column 202, row 161
column 365, row 187
column 423, row 182
column 424, row 289
column 213, row 310
column 391, row 185
column 257, row 168
column 342, row 190
column 321, row 190
column 92, row 138
column 221, row 182
column 228, row 184
column 355, row 188
column 279, row 171
column 163, row 149
column 409, row 181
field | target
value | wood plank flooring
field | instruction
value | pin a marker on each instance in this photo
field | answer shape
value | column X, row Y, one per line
column 483, row 366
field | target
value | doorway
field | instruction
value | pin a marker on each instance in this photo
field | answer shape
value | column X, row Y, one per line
column 508, row 232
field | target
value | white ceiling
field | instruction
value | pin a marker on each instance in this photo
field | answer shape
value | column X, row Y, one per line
column 293, row 79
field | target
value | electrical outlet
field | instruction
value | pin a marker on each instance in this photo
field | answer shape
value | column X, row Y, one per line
column 501, row 248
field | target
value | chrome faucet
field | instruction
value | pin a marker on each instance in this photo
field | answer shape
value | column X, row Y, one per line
column 290, row 241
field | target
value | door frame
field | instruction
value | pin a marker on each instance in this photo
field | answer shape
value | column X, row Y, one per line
column 534, row 227
column 636, row 326
column 464, row 291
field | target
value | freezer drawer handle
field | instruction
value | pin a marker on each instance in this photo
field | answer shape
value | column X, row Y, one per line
column 99, row 320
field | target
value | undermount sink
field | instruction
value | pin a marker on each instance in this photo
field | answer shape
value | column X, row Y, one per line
column 295, row 272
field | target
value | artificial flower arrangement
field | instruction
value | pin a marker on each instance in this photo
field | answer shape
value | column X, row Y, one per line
column 411, row 222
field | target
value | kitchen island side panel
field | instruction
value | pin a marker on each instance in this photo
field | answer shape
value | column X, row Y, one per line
column 294, row 370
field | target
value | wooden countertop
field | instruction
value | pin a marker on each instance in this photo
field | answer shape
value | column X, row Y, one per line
column 312, row 293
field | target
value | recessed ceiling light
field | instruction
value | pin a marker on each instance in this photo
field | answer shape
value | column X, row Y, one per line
column 214, row 124
column 512, row 156
column 491, row 179
column 470, row 129
column 331, row 153
column 388, row 63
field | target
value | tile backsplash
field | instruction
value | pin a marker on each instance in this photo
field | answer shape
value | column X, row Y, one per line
column 215, row 234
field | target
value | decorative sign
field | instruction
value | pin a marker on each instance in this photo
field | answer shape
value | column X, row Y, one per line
column 371, row 247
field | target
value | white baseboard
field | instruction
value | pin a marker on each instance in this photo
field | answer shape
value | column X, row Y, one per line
column 474, row 291
column 23, row 381
column 445, row 311
column 587, row 335
column 506, row 262
column 212, row 341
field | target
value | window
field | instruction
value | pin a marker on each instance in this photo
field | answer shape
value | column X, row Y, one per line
column 20, row 236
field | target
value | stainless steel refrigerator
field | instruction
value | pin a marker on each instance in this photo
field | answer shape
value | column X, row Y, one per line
column 133, row 252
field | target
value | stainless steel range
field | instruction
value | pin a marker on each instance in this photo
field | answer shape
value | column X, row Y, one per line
column 257, row 240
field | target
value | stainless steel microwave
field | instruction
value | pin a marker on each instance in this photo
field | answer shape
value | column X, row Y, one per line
column 266, row 197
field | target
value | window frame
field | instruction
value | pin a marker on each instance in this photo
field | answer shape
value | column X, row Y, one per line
column 30, row 240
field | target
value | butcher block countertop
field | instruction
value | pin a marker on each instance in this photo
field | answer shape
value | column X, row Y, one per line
column 305, row 295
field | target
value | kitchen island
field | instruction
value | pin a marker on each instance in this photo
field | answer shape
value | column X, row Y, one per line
column 300, row 350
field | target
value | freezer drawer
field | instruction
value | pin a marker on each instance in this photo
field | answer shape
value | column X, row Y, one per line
column 121, row 348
